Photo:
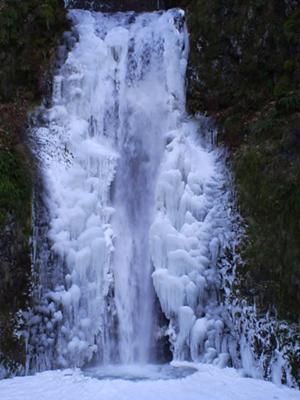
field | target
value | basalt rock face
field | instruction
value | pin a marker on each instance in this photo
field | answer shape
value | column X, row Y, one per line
column 15, row 222
column 29, row 35
column 245, row 73
column 14, row 284
column 114, row 5
column 123, row 5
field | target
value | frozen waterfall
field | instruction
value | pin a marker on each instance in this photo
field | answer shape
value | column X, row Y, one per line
column 135, row 200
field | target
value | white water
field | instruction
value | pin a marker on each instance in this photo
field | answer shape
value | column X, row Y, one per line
column 136, row 201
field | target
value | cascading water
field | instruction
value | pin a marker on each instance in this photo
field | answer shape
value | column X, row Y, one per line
column 135, row 202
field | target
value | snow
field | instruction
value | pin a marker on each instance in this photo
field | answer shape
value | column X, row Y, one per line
column 208, row 382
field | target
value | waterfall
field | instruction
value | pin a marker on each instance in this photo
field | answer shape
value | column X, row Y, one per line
column 135, row 199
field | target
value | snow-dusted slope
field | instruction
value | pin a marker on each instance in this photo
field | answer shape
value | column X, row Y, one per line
column 209, row 383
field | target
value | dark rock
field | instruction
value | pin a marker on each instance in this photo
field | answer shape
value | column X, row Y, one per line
column 124, row 5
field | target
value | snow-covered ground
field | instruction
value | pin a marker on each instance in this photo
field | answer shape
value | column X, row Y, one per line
column 208, row 383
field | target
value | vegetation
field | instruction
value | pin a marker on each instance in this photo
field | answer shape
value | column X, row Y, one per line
column 247, row 58
column 29, row 33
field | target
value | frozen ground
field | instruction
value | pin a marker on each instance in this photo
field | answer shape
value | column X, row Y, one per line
column 208, row 383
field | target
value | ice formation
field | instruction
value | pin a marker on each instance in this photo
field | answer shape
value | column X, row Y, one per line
column 135, row 198
column 190, row 226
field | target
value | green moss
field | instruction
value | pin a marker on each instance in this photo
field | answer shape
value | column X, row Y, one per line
column 291, row 26
column 29, row 34
column 246, row 56
column 15, row 185
column 282, row 86
column 269, row 200
column 289, row 103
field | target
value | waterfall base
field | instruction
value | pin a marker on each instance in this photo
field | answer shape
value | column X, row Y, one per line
column 208, row 382
column 141, row 372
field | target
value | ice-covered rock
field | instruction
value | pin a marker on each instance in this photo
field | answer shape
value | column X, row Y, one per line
column 118, row 94
column 186, row 239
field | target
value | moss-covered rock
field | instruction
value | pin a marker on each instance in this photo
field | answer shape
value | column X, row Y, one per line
column 125, row 5
column 29, row 34
column 244, row 71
